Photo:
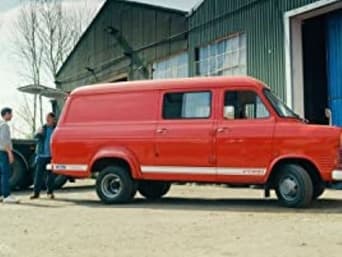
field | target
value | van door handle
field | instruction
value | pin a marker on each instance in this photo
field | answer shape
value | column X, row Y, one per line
column 162, row 131
column 222, row 130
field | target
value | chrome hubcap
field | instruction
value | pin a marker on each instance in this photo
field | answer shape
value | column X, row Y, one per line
column 111, row 185
column 289, row 188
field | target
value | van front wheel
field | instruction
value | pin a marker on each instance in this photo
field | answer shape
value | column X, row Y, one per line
column 115, row 185
column 319, row 189
column 294, row 186
column 153, row 190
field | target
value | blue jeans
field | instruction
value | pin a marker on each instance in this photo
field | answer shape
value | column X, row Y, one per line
column 4, row 174
column 43, row 176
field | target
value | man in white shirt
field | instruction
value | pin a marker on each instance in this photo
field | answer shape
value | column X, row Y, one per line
column 6, row 157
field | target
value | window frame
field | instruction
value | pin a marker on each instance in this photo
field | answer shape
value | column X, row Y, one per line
column 295, row 115
column 168, row 58
column 237, row 35
column 270, row 113
column 185, row 91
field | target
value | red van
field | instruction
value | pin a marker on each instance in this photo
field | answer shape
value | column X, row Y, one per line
column 144, row 135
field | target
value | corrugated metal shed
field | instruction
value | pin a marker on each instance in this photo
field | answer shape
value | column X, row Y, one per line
column 122, row 29
column 261, row 20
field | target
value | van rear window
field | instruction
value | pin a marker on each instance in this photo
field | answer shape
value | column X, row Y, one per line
column 116, row 107
column 187, row 105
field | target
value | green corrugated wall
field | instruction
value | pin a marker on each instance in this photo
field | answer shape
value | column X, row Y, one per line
column 142, row 26
column 261, row 20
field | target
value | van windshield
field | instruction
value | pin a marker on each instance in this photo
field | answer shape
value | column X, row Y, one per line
column 282, row 109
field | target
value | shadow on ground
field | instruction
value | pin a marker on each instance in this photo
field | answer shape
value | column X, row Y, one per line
column 324, row 205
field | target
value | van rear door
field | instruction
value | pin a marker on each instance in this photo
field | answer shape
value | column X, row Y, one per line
column 184, row 137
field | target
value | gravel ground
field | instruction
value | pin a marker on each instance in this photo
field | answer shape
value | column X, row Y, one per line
column 190, row 221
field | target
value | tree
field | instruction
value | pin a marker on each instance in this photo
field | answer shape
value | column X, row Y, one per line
column 45, row 32
column 28, row 46
column 26, row 117
column 60, row 30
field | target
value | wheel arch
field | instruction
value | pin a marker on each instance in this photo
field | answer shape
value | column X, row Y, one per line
column 117, row 156
column 22, row 158
column 304, row 162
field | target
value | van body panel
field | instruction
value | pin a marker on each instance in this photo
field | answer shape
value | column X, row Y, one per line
column 244, row 147
column 315, row 143
column 184, row 144
column 126, row 121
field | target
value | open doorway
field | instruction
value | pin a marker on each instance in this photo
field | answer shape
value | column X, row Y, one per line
column 315, row 69
column 309, row 62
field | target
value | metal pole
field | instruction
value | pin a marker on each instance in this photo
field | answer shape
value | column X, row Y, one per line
column 34, row 114
column 41, row 110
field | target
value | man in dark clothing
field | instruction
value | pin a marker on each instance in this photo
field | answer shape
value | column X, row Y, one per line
column 6, row 157
column 43, row 158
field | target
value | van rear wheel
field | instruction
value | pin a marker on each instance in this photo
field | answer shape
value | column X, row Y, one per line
column 153, row 190
column 294, row 186
column 115, row 185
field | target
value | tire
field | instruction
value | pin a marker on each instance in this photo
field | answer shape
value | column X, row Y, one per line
column 294, row 187
column 60, row 181
column 18, row 173
column 134, row 189
column 318, row 190
column 114, row 185
column 153, row 190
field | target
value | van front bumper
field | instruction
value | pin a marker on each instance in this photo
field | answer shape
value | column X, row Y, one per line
column 337, row 175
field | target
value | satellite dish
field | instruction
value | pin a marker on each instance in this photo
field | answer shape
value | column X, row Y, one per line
column 41, row 90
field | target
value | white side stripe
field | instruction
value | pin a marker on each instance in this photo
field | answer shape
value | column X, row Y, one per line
column 177, row 170
column 69, row 167
column 242, row 171
column 204, row 170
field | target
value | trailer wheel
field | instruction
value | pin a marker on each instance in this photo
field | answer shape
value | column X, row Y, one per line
column 153, row 190
column 29, row 178
column 115, row 185
column 18, row 173
column 294, row 186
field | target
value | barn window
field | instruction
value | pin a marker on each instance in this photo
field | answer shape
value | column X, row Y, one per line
column 172, row 67
column 224, row 57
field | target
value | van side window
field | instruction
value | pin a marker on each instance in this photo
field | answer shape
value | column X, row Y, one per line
column 187, row 105
column 240, row 105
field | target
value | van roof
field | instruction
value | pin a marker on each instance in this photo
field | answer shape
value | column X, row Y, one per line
column 142, row 85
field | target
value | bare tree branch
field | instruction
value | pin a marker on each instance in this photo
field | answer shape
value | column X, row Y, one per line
column 28, row 46
column 45, row 33
column 26, row 116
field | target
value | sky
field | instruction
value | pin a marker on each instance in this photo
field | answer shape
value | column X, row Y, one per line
column 10, row 65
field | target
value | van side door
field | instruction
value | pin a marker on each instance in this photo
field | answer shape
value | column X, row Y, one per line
column 184, row 147
column 244, row 135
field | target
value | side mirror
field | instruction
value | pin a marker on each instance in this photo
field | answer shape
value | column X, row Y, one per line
column 328, row 115
column 229, row 112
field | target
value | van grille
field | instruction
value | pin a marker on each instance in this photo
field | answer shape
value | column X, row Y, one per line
column 340, row 159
